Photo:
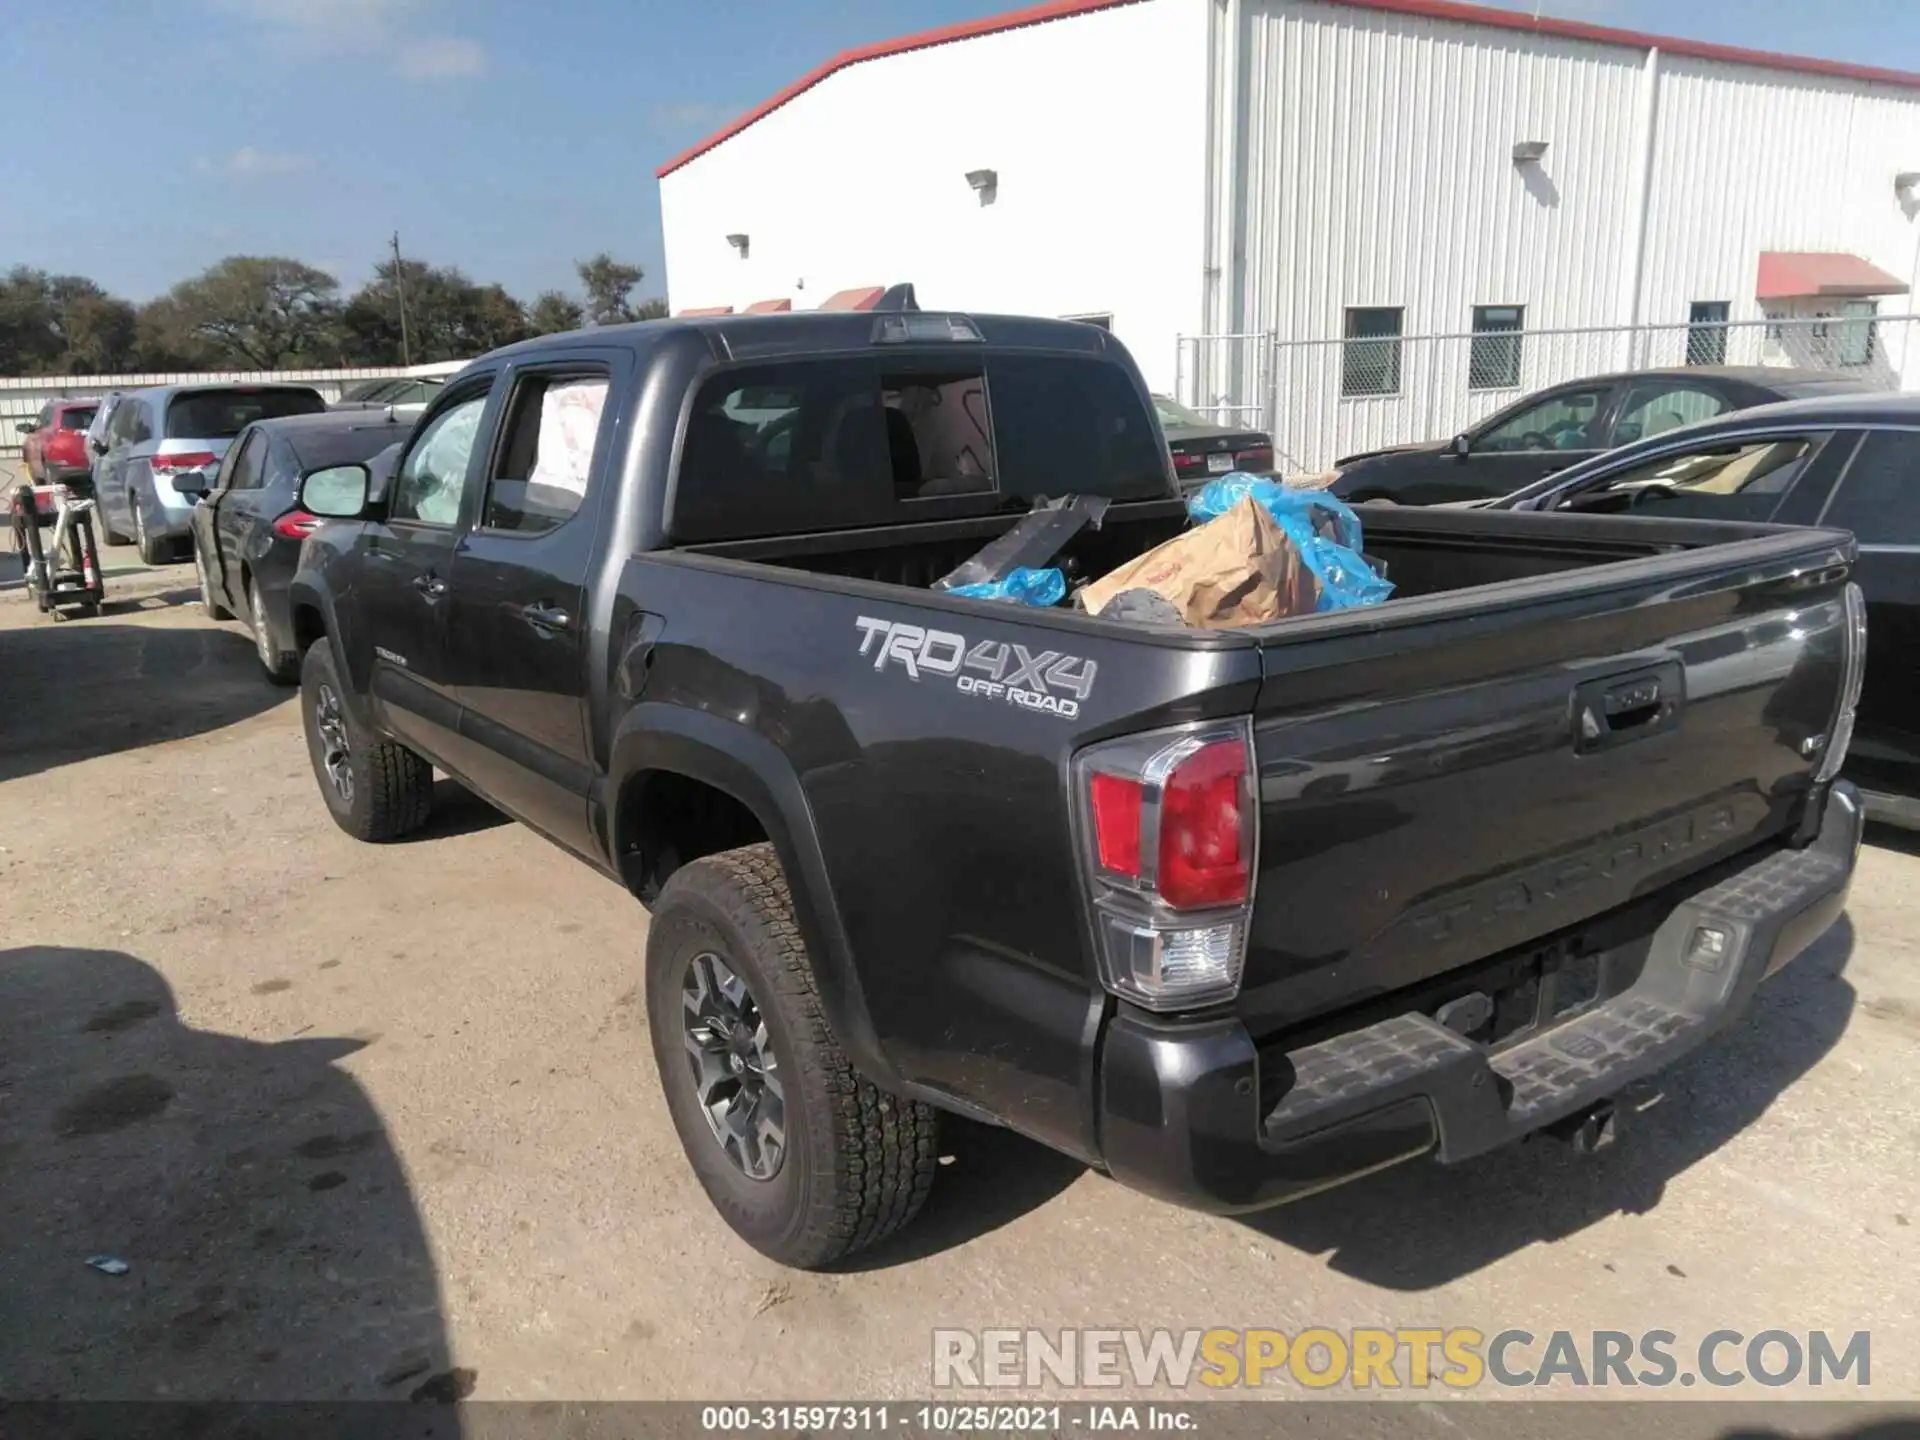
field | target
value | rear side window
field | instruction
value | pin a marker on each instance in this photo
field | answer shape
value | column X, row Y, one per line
column 825, row 444
column 222, row 414
column 76, row 418
column 1879, row 499
column 540, row 476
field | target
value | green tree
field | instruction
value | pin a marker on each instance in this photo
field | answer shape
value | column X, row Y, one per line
column 449, row 317
column 651, row 309
column 554, row 311
column 261, row 311
column 608, row 285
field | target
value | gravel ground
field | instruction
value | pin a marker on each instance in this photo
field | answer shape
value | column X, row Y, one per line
column 381, row 1121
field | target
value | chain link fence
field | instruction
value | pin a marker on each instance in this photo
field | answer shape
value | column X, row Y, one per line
column 1324, row 399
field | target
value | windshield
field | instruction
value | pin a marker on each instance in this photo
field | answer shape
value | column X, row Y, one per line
column 393, row 391
column 76, row 417
column 223, row 414
column 1172, row 412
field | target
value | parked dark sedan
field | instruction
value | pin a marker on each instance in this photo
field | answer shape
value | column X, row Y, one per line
column 247, row 529
column 1851, row 462
column 1552, row 429
column 1202, row 449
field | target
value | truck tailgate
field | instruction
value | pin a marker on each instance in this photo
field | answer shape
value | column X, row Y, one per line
column 1458, row 775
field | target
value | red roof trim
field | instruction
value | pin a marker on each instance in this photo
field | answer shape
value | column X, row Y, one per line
column 768, row 307
column 861, row 297
column 1428, row 9
column 1802, row 274
column 703, row 310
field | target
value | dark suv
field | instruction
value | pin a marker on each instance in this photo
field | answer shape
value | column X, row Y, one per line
column 1848, row 463
column 1553, row 429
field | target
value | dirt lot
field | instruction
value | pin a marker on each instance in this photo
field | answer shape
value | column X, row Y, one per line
column 364, row 1120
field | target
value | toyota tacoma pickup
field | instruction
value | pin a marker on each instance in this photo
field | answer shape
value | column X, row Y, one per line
column 1231, row 915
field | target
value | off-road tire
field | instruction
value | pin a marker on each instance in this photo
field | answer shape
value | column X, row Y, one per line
column 392, row 787
column 859, row 1161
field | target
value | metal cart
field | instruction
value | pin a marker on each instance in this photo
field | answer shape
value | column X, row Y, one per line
column 63, row 566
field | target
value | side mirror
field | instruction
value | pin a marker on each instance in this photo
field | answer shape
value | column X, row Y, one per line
column 26, row 427
column 339, row 492
column 99, row 446
column 1462, row 446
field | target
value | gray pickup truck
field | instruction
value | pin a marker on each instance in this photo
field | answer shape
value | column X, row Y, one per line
column 1232, row 915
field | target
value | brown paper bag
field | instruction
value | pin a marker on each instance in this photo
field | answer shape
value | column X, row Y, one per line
column 1237, row 569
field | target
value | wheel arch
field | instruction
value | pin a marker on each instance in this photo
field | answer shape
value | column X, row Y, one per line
column 683, row 754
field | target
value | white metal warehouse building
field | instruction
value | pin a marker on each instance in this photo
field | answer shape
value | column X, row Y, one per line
column 1300, row 212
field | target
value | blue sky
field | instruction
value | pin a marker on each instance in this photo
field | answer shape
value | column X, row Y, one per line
column 508, row 137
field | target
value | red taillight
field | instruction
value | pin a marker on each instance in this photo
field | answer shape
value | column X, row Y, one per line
column 1168, row 831
column 1200, row 850
column 185, row 460
column 1116, row 823
column 296, row 525
column 1187, row 464
column 1258, row 457
column 1203, row 854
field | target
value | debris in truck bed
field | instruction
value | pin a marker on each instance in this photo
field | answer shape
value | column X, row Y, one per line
column 1023, row 586
column 1040, row 534
column 1239, row 569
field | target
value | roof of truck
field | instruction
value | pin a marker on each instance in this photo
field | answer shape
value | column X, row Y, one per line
column 804, row 332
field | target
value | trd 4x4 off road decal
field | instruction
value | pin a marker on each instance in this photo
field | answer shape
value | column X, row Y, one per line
column 1046, row 680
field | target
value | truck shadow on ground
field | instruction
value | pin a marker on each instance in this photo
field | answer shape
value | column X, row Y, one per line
column 273, row 1248
column 457, row 811
column 1421, row 1224
column 988, row 1177
column 90, row 688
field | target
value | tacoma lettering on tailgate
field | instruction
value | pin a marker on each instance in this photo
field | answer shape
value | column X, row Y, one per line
column 1046, row 680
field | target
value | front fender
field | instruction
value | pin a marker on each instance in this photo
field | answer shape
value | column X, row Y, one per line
column 749, row 767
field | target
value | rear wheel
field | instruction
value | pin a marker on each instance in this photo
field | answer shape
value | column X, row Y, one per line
column 805, row 1159
column 153, row 550
column 282, row 667
column 215, row 610
column 375, row 790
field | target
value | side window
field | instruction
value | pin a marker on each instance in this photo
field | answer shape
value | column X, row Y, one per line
column 1655, row 409
column 1879, row 499
column 1568, row 421
column 431, row 478
column 283, row 469
column 142, row 422
column 45, row 417
column 540, row 477
column 1726, row 479
column 246, row 469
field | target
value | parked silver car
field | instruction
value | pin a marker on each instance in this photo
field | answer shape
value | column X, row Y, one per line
column 161, row 448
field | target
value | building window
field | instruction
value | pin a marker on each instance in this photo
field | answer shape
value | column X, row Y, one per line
column 1707, row 332
column 1857, row 332
column 1494, row 361
column 1103, row 321
column 1370, row 359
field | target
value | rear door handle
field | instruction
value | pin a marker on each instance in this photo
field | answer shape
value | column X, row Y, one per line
column 431, row 586
column 546, row 617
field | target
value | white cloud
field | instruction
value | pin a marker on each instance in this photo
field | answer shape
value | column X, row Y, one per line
column 442, row 57
column 248, row 161
column 388, row 29
column 692, row 115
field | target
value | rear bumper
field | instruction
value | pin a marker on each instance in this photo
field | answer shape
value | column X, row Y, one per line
column 1194, row 1113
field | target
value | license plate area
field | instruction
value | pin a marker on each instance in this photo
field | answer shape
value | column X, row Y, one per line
column 1219, row 464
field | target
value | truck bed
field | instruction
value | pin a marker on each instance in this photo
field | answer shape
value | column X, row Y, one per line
column 1427, row 803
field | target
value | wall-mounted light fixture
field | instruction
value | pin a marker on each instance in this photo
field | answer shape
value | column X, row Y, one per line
column 1906, row 183
column 1529, row 152
column 739, row 243
column 985, row 183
